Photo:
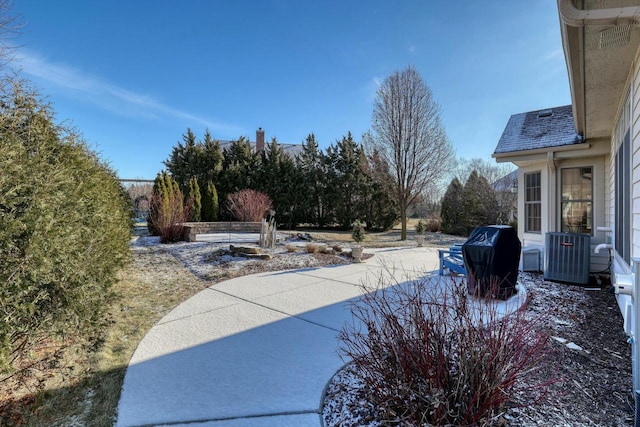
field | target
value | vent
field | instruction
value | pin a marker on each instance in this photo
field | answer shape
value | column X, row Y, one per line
column 530, row 260
column 567, row 257
column 545, row 113
column 614, row 36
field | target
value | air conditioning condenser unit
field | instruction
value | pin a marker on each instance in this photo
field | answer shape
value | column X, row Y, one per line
column 567, row 257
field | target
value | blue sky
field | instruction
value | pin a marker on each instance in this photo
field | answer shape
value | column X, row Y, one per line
column 132, row 76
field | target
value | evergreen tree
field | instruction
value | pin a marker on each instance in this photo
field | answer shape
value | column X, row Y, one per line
column 278, row 180
column 311, row 166
column 348, row 179
column 182, row 160
column 452, row 210
column 192, row 158
column 158, row 188
column 379, row 204
column 195, row 199
column 65, row 225
column 239, row 168
column 167, row 211
column 479, row 202
column 166, row 193
column 210, row 161
column 215, row 203
column 210, row 203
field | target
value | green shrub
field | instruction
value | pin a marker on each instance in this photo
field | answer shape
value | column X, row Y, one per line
column 210, row 204
column 452, row 209
column 358, row 233
column 195, row 200
column 167, row 210
column 65, row 224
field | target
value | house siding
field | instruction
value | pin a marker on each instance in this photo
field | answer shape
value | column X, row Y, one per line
column 635, row 149
column 608, row 191
column 633, row 90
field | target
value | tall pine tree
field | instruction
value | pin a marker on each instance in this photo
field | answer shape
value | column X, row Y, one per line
column 312, row 167
column 346, row 157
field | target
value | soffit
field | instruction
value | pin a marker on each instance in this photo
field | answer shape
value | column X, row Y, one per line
column 599, row 81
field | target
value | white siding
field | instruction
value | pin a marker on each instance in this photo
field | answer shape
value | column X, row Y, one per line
column 608, row 192
column 635, row 149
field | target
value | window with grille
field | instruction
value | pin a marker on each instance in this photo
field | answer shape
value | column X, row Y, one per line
column 577, row 200
column 532, row 203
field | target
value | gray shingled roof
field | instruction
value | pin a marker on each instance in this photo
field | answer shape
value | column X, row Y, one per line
column 506, row 182
column 539, row 129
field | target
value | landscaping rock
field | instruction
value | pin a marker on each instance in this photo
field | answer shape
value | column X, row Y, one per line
column 245, row 249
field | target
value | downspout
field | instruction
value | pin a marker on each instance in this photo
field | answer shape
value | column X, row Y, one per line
column 551, row 161
column 552, row 185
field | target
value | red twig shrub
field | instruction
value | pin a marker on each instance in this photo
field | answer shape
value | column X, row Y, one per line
column 430, row 354
column 248, row 205
column 167, row 213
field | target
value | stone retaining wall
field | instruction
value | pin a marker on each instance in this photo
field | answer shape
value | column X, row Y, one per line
column 193, row 228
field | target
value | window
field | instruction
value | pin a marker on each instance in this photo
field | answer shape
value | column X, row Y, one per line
column 532, row 203
column 622, row 140
column 577, row 190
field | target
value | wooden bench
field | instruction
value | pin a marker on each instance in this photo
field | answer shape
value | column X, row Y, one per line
column 452, row 260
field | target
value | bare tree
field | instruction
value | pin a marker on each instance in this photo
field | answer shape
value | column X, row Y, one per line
column 410, row 137
column 488, row 169
column 10, row 26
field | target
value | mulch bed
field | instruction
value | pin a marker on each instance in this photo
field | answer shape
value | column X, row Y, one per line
column 590, row 361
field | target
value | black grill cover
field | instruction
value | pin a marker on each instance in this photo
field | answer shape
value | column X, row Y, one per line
column 491, row 257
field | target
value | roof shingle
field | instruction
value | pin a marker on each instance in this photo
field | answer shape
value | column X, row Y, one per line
column 538, row 130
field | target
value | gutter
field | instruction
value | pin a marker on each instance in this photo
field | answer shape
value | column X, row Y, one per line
column 534, row 151
column 574, row 17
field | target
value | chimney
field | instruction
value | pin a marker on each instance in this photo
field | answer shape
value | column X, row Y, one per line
column 259, row 140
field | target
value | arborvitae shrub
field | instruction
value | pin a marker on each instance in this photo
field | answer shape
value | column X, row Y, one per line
column 210, row 206
column 168, row 211
column 195, row 200
column 215, row 203
column 65, row 224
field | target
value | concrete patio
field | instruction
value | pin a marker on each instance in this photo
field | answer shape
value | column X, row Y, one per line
column 257, row 350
